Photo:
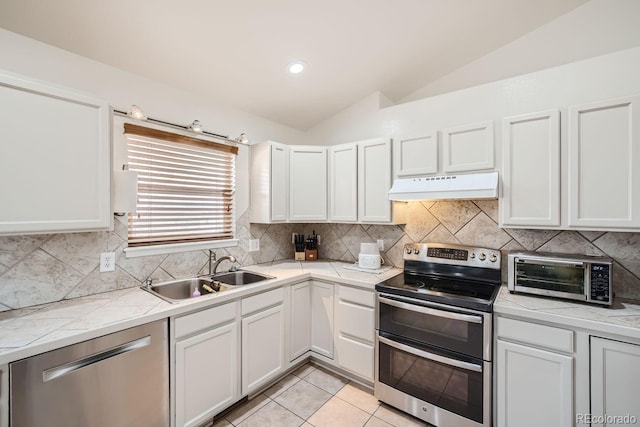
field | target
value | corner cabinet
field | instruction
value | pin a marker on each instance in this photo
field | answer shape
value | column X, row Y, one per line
column 55, row 164
column 307, row 183
column 269, row 182
column 311, row 319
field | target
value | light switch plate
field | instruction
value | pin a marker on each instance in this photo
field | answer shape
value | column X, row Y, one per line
column 254, row 245
column 107, row 261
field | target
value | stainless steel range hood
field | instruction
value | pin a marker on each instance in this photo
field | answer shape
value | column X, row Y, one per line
column 446, row 187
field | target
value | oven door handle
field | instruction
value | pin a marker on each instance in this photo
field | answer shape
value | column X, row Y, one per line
column 435, row 357
column 431, row 311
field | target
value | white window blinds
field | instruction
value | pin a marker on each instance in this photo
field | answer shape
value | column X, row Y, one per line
column 185, row 188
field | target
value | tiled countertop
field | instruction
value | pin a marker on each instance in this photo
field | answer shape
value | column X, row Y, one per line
column 35, row 330
column 623, row 318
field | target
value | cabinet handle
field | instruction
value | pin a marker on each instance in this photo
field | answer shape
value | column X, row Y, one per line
column 70, row 367
column 435, row 357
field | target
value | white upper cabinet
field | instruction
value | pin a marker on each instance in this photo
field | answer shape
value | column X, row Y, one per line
column 307, row 183
column 269, row 182
column 343, row 182
column 374, row 180
column 468, row 148
column 604, row 164
column 531, row 170
column 55, row 159
column 416, row 155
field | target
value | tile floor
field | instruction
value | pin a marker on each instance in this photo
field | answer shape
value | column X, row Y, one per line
column 313, row 396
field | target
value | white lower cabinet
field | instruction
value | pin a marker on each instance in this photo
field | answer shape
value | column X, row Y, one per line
column 299, row 320
column 355, row 330
column 206, row 364
column 311, row 319
column 534, row 381
column 263, row 321
column 615, row 382
column 322, row 318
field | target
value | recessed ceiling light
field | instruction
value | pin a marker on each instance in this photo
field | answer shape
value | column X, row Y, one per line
column 296, row 67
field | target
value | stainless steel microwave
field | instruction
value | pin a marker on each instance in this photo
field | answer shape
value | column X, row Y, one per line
column 577, row 277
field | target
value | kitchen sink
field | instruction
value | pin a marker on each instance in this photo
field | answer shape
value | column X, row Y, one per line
column 178, row 290
column 240, row 277
column 181, row 289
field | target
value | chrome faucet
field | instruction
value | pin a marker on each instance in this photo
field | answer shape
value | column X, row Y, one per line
column 214, row 267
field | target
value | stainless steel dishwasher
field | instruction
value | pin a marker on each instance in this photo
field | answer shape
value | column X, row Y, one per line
column 117, row 380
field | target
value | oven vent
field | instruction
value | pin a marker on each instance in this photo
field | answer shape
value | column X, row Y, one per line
column 445, row 187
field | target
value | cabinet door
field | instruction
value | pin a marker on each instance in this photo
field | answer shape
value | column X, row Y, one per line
column 207, row 375
column 300, row 320
column 355, row 330
column 262, row 348
column 604, row 164
column 468, row 148
column 322, row 318
column 307, row 183
column 417, row 155
column 374, row 180
column 531, row 170
column 279, row 181
column 55, row 159
column 343, row 182
column 615, row 379
column 534, row 387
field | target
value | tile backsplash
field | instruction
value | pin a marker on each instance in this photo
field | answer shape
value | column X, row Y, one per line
column 37, row 269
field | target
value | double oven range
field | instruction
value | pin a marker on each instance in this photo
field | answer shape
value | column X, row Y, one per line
column 434, row 334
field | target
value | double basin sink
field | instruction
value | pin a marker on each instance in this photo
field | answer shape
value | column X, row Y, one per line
column 178, row 290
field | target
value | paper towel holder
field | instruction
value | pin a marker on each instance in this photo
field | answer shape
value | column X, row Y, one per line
column 125, row 184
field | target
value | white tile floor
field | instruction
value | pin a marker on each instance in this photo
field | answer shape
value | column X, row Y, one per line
column 312, row 396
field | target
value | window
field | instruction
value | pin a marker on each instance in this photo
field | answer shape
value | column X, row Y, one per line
column 186, row 188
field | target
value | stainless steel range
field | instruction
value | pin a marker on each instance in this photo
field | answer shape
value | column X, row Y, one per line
column 434, row 333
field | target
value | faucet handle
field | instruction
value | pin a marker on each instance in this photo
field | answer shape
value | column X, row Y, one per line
column 149, row 282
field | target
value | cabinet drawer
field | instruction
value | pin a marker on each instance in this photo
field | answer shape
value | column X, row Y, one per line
column 357, row 296
column 263, row 300
column 355, row 356
column 535, row 334
column 205, row 319
column 356, row 320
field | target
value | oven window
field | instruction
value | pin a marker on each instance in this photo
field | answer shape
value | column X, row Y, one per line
column 455, row 389
column 433, row 329
column 553, row 277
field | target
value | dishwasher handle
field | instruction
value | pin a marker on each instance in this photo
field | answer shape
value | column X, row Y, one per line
column 70, row 367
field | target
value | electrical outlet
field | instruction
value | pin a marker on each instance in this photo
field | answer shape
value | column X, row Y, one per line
column 254, row 245
column 381, row 245
column 107, row 261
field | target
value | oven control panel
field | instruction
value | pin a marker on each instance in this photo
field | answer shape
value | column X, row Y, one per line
column 453, row 254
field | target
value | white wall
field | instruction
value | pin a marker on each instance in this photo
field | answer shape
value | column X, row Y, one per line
column 602, row 77
column 121, row 89
column 595, row 28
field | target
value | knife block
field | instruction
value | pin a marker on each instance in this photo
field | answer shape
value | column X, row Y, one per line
column 311, row 254
column 299, row 256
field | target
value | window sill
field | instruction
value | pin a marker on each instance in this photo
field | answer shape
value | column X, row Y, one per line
column 177, row 247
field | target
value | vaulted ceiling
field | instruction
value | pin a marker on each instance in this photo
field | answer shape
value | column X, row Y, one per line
column 236, row 52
